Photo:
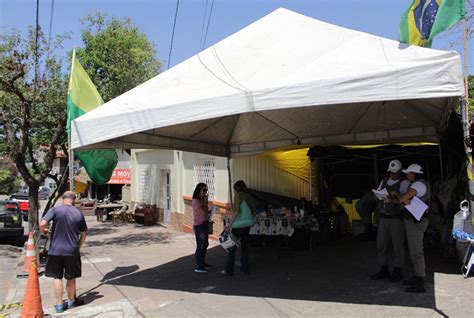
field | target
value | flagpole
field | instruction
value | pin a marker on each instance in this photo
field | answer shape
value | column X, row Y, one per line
column 71, row 152
column 71, row 165
column 466, row 68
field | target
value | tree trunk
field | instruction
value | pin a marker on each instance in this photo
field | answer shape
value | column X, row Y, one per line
column 34, row 207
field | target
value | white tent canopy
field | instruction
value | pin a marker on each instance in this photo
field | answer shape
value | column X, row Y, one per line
column 285, row 79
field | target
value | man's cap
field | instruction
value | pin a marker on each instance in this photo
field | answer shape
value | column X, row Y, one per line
column 414, row 167
column 394, row 166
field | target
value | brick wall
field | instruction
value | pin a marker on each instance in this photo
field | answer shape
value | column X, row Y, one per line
column 177, row 220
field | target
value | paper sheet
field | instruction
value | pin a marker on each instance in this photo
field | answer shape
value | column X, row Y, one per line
column 214, row 210
column 380, row 194
column 416, row 207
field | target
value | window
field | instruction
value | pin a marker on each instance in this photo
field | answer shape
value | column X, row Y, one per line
column 204, row 171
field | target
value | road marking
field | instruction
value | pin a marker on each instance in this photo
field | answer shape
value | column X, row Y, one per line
column 91, row 261
column 121, row 308
column 10, row 309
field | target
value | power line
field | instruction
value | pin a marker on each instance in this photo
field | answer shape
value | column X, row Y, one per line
column 208, row 22
column 51, row 23
column 50, row 28
column 172, row 33
column 203, row 24
column 36, row 41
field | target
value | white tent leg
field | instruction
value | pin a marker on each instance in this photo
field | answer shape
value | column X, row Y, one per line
column 230, row 180
column 310, row 180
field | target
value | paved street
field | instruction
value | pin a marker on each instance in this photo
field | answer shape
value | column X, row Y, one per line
column 135, row 271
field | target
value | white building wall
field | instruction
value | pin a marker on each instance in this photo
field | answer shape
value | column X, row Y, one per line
column 221, row 180
column 148, row 169
column 147, row 166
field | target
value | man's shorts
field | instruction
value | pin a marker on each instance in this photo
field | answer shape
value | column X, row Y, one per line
column 59, row 266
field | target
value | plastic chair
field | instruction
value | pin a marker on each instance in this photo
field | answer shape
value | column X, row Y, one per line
column 118, row 214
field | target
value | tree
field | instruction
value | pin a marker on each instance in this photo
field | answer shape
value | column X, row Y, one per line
column 117, row 55
column 33, row 89
column 9, row 183
column 32, row 107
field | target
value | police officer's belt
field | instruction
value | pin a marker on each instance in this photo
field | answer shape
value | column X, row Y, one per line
column 390, row 216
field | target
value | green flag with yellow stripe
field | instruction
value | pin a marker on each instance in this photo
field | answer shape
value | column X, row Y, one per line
column 83, row 97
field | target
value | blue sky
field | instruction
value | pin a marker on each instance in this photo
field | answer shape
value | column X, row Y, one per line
column 155, row 18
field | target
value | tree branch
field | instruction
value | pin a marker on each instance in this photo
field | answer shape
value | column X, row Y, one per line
column 56, row 140
column 34, row 162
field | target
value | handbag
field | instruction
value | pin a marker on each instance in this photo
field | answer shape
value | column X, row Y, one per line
column 210, row 227
column 245, row 217
column 228, row 240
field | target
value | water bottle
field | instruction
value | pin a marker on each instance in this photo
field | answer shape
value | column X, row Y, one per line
column 462, row 219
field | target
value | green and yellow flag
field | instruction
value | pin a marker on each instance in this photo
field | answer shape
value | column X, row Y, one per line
column 83, row 97
column 424, row 19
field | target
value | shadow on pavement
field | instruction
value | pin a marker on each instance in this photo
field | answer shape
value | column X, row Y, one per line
column 100, row 231
column 90, row 296
column 131, row 240
column 119, row 271
column 337, row 271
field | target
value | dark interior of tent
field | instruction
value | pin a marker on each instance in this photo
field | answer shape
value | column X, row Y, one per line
column 351, row 172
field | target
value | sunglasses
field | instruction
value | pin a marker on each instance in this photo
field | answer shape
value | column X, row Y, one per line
column 204, row 190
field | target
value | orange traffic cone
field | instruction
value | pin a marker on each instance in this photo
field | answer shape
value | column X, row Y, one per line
column 30, row 254
column 32, row 306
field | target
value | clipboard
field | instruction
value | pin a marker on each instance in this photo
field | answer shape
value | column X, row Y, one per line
column 416, row 207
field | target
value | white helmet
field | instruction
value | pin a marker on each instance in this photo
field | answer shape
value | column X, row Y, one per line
column 394, row 166
column 414, row 167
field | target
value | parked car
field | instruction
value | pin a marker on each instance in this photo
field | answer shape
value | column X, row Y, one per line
column 23, row 201
column 11, row 224
column 44, row 193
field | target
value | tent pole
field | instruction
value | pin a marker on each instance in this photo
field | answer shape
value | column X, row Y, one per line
column 310, row 179
column 466, row 116
column 230, row 179
column 441, row 161
column 321, row 183
column 376, row 176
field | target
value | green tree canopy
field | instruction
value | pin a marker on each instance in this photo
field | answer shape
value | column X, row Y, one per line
column 117, row 55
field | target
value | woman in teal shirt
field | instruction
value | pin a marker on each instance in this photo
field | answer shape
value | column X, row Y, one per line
column 243, row 212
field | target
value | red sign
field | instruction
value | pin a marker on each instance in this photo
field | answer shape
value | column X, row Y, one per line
column 121, row 176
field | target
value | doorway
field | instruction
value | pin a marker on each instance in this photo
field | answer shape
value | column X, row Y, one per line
column 166, row 196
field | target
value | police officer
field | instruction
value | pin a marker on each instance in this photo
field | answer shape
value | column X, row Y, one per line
column 391, row 230
column 415, row 229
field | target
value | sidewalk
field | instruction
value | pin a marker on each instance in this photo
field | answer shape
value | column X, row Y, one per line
column 135, row 271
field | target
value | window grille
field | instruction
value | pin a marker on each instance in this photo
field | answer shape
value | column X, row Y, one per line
column 144, row 181
column 204, row 171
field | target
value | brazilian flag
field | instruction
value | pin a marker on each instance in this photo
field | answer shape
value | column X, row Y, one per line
column 426, row 18
column 83, row 97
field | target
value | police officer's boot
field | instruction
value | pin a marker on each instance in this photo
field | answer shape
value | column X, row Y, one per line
column 418, row 287
column 382, row 273
column 409, row 282
column 396, row 275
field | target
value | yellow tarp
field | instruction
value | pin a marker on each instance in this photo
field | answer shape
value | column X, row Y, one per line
column 293, row 161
